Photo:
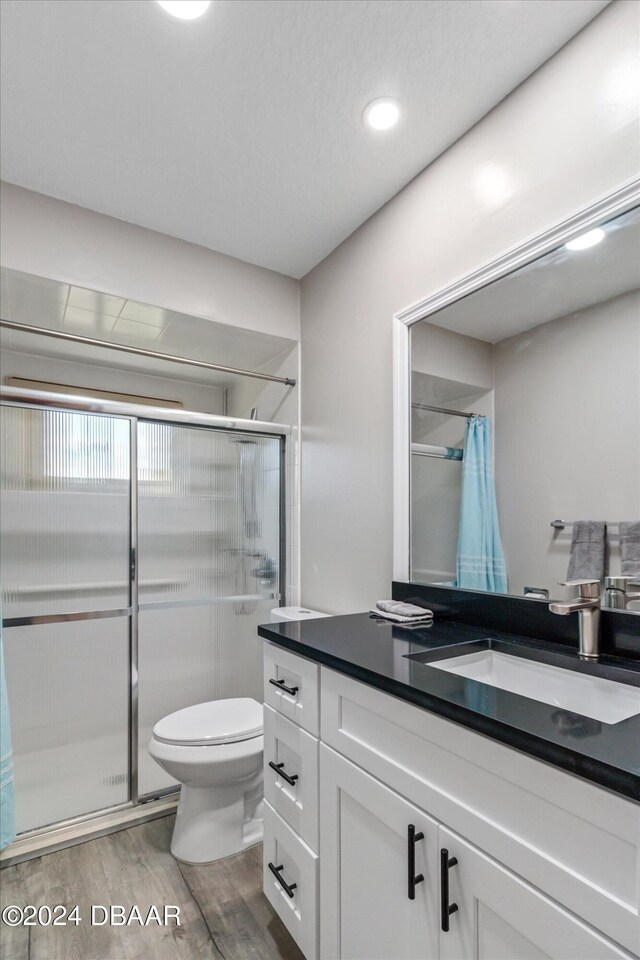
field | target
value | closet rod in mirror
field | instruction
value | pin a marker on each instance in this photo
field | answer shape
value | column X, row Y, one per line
column 450, row 413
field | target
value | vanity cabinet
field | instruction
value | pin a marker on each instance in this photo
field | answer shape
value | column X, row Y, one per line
column 379, row 878
column 540, row 863
column 371, row 910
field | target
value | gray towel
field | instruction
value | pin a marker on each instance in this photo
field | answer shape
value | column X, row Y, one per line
column 407, row 611
column 630, row 548
column 587, row 560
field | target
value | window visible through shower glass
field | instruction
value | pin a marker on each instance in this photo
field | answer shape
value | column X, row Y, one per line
column 209, row 570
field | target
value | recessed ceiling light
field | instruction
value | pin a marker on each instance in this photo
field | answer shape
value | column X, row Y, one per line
column 586, row 240
column 381, row 114
column 185, row 9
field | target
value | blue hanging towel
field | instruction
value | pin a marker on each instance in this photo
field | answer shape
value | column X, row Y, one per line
column 480, row 560
column 7, row 797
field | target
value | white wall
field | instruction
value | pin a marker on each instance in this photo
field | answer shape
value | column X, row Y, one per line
column 569, row 135
column 193, row 396
column 50, row 238
column 567, row 435
column 451, row 356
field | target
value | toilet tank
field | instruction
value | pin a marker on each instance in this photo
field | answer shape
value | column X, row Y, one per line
column 280, row 614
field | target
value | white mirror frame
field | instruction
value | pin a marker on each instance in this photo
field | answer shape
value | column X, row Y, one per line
column 624, row 198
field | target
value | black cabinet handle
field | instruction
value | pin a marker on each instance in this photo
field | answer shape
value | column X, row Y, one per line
column 285, row 776
column 412, row 879
column 281, row 685
column 446, row 908
column 288, row 888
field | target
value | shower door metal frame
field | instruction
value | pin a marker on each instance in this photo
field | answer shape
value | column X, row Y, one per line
column 133, row 413
column 232, row 428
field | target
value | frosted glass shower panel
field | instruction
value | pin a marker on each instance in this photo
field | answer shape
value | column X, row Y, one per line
column 209, row 570
column 65, row 504
column 208, row 514
column 68, row 696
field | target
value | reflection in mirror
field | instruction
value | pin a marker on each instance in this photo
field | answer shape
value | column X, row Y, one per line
column 525, row 427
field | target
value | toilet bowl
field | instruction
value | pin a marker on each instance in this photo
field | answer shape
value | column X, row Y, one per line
column 214, row 750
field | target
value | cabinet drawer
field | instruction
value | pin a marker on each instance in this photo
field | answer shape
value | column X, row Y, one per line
column 288, row 744
column 298, row 908
column 577, row 842
column 291, row 687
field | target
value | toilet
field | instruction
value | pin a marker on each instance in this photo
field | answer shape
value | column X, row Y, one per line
column 214, row 750
column 282, row 614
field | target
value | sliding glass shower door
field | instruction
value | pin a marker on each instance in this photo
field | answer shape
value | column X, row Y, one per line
column 65, row 525
column 209, row 570
column 138, row 557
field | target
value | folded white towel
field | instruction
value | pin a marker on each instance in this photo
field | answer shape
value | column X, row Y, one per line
column 407, row 621
column 407, row 611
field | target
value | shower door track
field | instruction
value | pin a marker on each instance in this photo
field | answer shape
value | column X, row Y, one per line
column 86, row 826
column 19, row 397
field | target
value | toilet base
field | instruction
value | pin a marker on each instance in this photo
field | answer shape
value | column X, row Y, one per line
column 213, row 822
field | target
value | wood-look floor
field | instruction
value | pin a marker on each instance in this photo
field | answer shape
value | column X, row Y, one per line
column 224, row 914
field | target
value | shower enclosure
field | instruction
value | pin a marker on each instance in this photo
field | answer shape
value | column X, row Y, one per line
column 139, row 553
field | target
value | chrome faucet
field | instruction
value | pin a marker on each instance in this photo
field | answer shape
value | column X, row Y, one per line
column 587, row 606
column 617, row 593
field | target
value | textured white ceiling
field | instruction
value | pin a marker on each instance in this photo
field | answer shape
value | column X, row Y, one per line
column 242, row 131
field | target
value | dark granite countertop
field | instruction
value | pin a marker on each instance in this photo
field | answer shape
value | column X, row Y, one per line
column 374, row 652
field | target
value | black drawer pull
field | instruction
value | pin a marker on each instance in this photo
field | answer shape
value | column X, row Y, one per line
column 281, row 685
column 413, row 880
column 288, row 888
column 446, row 908
column 285, row 776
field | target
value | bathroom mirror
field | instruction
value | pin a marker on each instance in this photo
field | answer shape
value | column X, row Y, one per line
column 546, row 363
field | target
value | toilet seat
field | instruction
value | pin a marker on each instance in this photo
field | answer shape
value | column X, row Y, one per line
column 213, row 722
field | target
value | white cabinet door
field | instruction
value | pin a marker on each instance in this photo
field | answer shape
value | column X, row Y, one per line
column 500, row 917
column 366, row 855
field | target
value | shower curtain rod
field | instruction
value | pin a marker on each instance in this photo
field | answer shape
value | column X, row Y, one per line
column 450, row 413
column 138, row 351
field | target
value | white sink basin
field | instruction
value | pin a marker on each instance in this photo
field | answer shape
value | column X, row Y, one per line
column 595, row 697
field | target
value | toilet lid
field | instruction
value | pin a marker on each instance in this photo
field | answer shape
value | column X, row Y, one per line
column 217, row 721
